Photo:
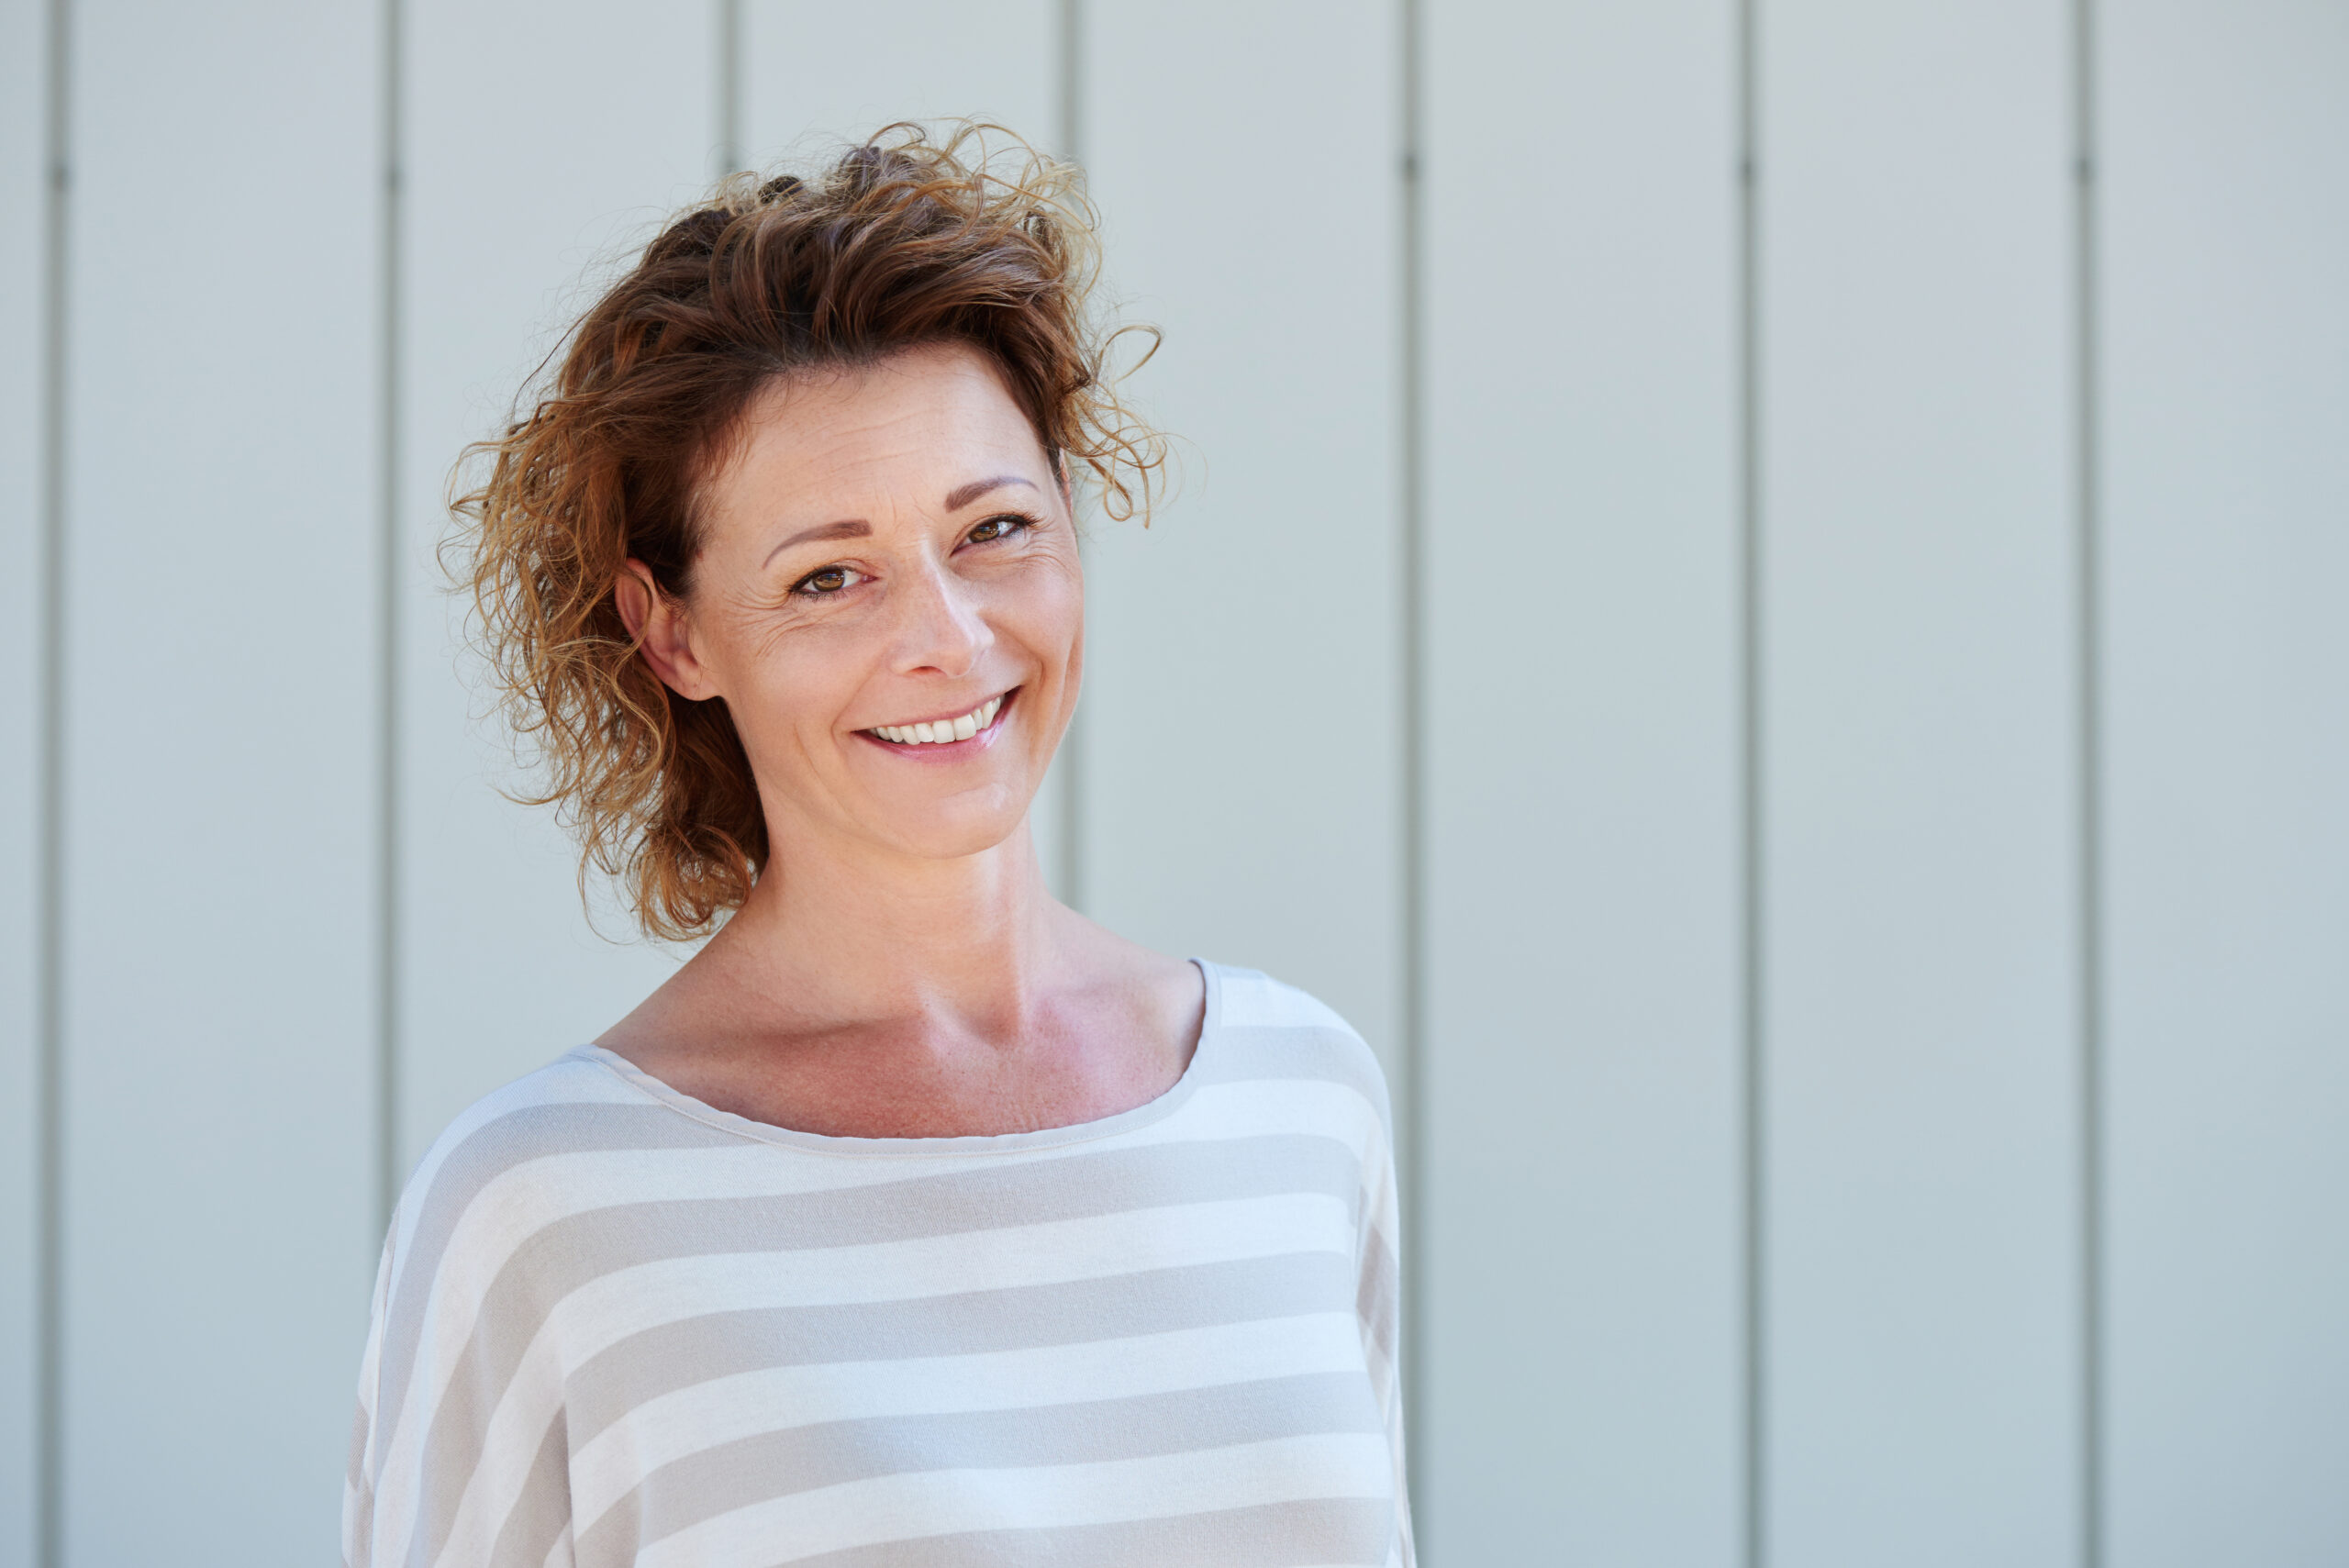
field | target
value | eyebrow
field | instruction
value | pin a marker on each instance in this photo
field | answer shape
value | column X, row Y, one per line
column 847, row 528
column 958, row 499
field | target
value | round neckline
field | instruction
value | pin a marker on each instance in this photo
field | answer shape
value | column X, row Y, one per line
column 957, row 1146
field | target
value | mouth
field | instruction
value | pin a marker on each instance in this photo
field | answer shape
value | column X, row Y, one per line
column 945, row 735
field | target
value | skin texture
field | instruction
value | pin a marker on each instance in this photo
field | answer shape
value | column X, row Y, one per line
column 900, row 970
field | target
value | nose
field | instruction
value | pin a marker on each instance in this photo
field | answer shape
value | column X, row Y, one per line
column 940, row 630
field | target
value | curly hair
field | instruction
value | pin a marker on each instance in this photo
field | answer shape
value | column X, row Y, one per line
column 903, row 241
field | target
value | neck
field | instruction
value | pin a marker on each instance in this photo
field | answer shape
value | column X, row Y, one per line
column 844, row 932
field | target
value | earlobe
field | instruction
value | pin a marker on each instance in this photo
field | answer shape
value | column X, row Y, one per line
column 663, row 635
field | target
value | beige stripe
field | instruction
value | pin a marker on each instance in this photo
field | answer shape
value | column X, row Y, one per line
column 1379, row 1302
column 542, row 1513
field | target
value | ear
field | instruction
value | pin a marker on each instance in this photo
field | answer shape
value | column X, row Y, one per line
column 663, row 632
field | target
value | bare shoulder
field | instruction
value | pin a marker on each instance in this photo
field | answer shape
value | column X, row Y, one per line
column 701, row 1006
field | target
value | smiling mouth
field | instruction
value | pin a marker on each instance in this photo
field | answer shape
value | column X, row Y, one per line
column 944, row 731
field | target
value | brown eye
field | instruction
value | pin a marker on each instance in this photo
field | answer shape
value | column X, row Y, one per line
column 830, row 579
column 995, row 528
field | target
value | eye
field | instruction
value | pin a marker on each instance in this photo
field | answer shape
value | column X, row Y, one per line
column 1001, row 526
column 824, row 583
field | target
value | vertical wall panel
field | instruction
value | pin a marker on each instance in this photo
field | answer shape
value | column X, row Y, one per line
column 1241, row 781
column 2225, row 354
column 1919, row 731
column 24, row 108
column 1581, row 1251
column 811, row 76
column 811, row 80
column 221, row 774
column 543, row 141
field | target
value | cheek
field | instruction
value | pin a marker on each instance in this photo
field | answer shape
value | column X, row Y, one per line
column 1045, row 609
column 785, row 690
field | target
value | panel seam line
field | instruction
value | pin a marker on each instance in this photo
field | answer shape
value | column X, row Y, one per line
column 48, row 914
column 1414, row 757
column 1753, row 1215
column 2088, row 807
column 1069, row 830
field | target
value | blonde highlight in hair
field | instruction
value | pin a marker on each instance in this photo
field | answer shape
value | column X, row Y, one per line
column 906, row 241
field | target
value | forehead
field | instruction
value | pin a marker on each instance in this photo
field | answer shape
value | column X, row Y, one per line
column 907, row 429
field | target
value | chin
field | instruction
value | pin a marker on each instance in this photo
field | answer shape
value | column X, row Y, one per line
column 950, row 833
column 958, row 846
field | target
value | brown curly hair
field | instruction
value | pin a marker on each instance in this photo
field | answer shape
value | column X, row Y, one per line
column 903, row 241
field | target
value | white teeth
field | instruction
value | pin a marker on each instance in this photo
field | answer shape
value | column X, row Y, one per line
column 944, row 729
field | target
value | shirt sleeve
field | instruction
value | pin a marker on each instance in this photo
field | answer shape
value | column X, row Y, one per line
column 358, row 1483
column 1379, row 1305
column 460, row 1454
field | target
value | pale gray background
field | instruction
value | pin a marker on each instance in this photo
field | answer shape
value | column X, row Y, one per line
column 1759, row 598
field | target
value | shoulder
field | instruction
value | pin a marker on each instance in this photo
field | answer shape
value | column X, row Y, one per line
column 1270, row 1030
column 546, row 1142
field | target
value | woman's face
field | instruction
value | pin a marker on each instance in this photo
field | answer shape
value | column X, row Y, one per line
column 888, row 601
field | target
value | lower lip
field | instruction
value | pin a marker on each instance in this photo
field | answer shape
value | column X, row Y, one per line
column 949, row 751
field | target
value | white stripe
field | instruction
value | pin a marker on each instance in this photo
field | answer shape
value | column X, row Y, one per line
column 726, row 1409
column 1048, row 1252
column 1265, row 1108
column 1254, row 1001
column 612, row 1307
column 949, row 1502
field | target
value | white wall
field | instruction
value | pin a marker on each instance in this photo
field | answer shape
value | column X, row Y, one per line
column 216, row 983
column 1849, row 660
column 2224, row 339
column 24, row 387
column 1580, row 1239
column 1918, row 1028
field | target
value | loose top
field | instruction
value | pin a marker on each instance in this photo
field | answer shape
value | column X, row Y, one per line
column 614, row 1325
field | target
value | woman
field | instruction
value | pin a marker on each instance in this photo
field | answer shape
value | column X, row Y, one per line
column 917, row 1219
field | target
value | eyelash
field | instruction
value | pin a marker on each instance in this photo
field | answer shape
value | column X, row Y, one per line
column 1017, row 523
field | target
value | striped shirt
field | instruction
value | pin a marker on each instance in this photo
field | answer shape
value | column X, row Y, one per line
column 615, row 1326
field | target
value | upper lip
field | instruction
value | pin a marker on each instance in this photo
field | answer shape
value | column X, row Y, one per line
column 948, row 717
